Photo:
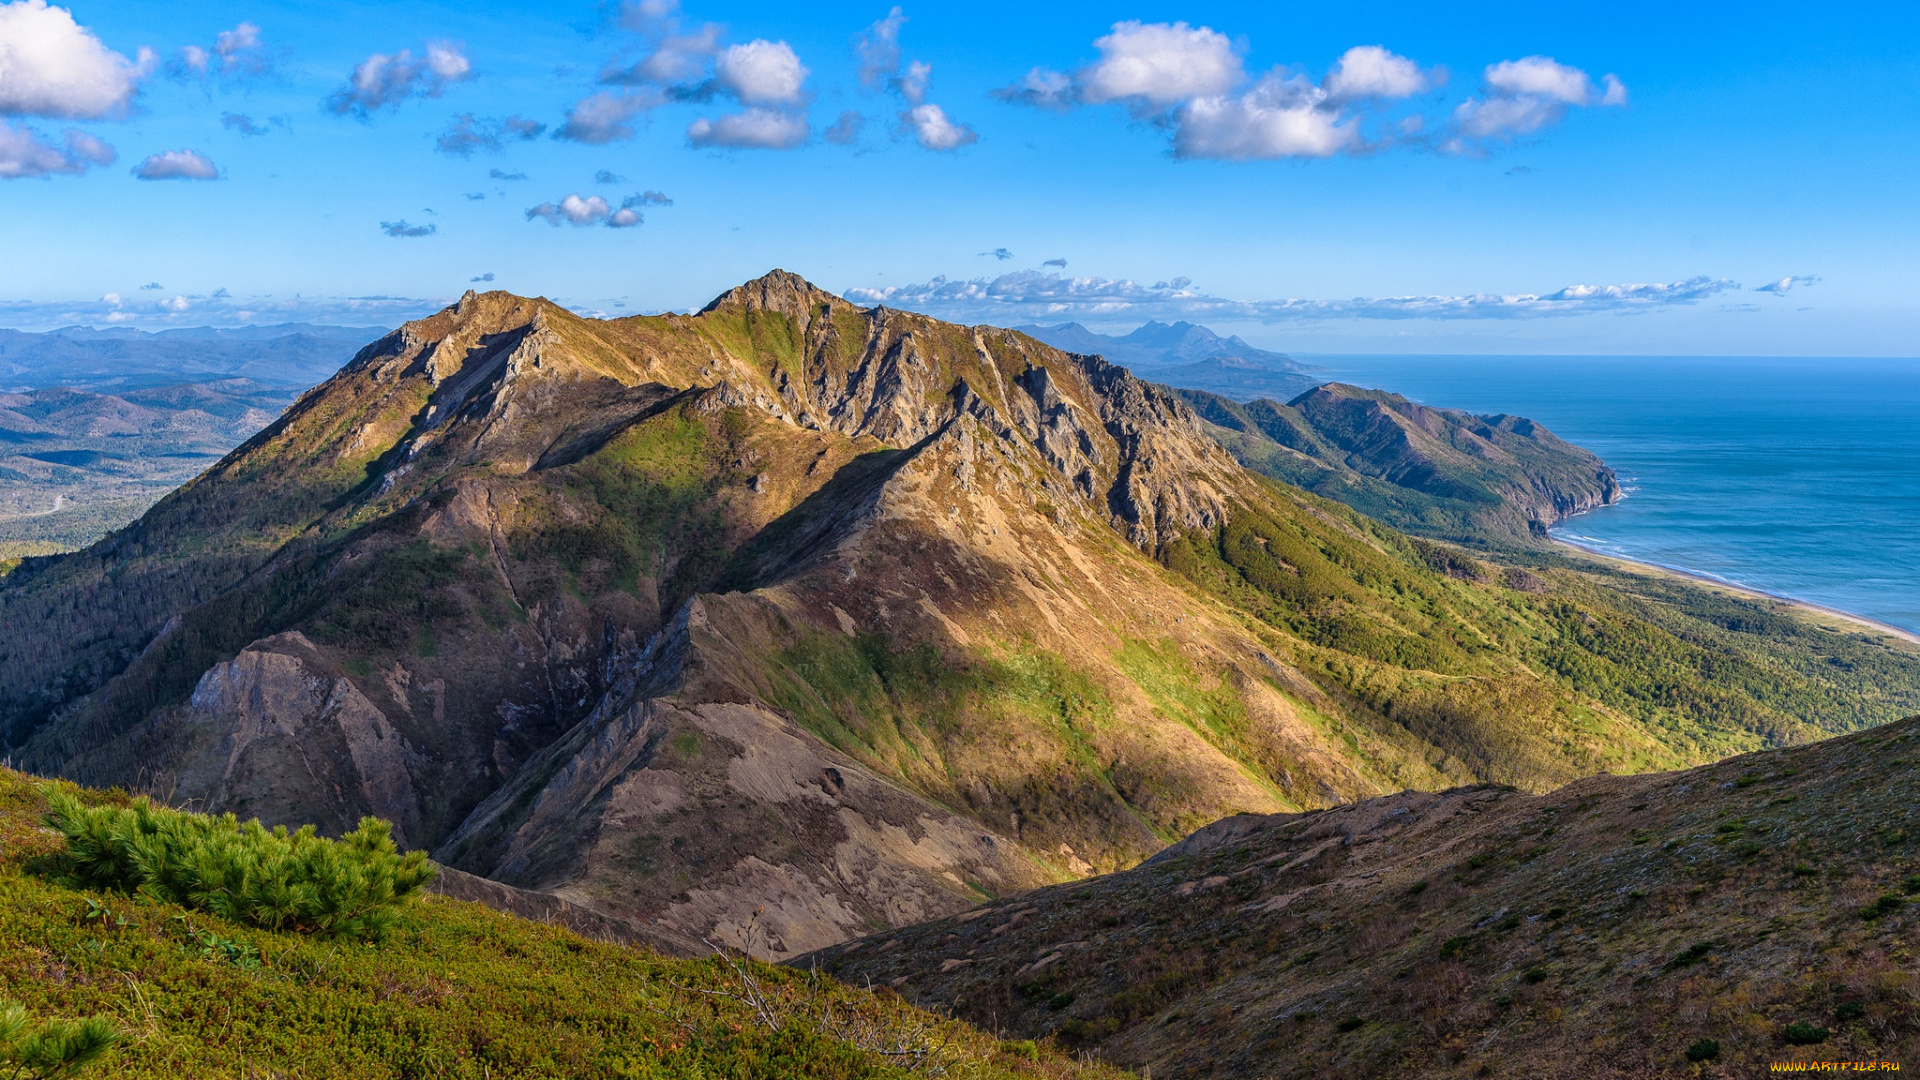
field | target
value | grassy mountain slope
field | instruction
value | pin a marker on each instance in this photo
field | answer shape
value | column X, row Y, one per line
column 1440, row 473
column 821, row 620
column 1703, row 922
column 452, row 990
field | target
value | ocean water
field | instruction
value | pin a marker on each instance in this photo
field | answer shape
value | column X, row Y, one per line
column 1799, row 477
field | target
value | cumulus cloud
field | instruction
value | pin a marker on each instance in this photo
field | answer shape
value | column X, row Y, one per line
column 1193, row 81
column 152, row 286
column 177, row 165
column 1278, row 118
column 468, row 134
column 25, row 154
column 1160, row 64
column 998, row 253
column 51, row 66
column 759, row 129
column 1370, row 71
column 1787, row 284
column 606, row 116
column 1060, row 263
column 498, row 174
column 1521, row 97
column 384, row 81
column 235, row 53
column 488, row 276
column 762, row 72
column 606, row 176
column 584, row 210
column 845, row 131
column 934, row 131
column 878, row 49
column 1028, row 294
column 766, row 77
column 403, row 229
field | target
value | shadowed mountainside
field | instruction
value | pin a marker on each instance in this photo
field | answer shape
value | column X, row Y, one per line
column 1693, row 923
column 819, row 620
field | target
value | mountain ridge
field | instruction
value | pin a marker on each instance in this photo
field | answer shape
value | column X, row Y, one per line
column 848, row 617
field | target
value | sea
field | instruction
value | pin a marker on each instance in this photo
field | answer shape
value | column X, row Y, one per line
column 1794, row 476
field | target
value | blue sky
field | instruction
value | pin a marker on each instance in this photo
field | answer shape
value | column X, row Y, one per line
column 1319, row 178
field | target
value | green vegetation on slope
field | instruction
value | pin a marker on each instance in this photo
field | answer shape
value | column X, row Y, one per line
column 452, row 990
column 350, row 887
column 1474, row 657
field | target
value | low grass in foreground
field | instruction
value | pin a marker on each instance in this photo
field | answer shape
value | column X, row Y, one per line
column 449, row 990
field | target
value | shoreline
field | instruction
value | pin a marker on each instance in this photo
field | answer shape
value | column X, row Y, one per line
column 1804, row 607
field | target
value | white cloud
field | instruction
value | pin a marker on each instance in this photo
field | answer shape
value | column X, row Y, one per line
column 218, row 309
column 583, row 210
column 676, row 58
column 1369, row 71
column 1524, row 96
column 1787, row 284
column 1029, row 294
column 933, row 131
column 24, row 154
column 762, row 72
column 760, row 129
column 235, row 52
column 606, row 116
column 53, row 67
column 177, row 165
column 880, row 63
column 1278, row 118
column 1160, row 64
column 382, row 81
column 1541, row 77
column 878, row 49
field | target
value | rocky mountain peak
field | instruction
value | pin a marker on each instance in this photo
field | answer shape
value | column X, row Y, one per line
column 779, row 291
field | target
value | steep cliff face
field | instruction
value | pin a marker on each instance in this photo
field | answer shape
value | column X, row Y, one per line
column 1436, row 472
column 789, row 620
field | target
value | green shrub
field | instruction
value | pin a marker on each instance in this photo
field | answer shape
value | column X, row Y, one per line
column 45, row 1049
column 1801, row 1033
column 1848, row 1011
column 1911, row 885
column 1704, row 1050
column 242, row 872
column 1351, row 1023
column 1886, row 905
column 1693, row 955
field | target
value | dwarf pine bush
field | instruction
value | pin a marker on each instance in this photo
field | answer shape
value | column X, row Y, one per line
column 246, row 873
column 46, row 1049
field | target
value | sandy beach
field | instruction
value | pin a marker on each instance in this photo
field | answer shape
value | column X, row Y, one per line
column 1816, row 613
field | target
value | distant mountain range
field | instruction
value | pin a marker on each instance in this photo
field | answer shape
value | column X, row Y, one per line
column 1193, row 357
column 98, row 422
column 114, row 359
